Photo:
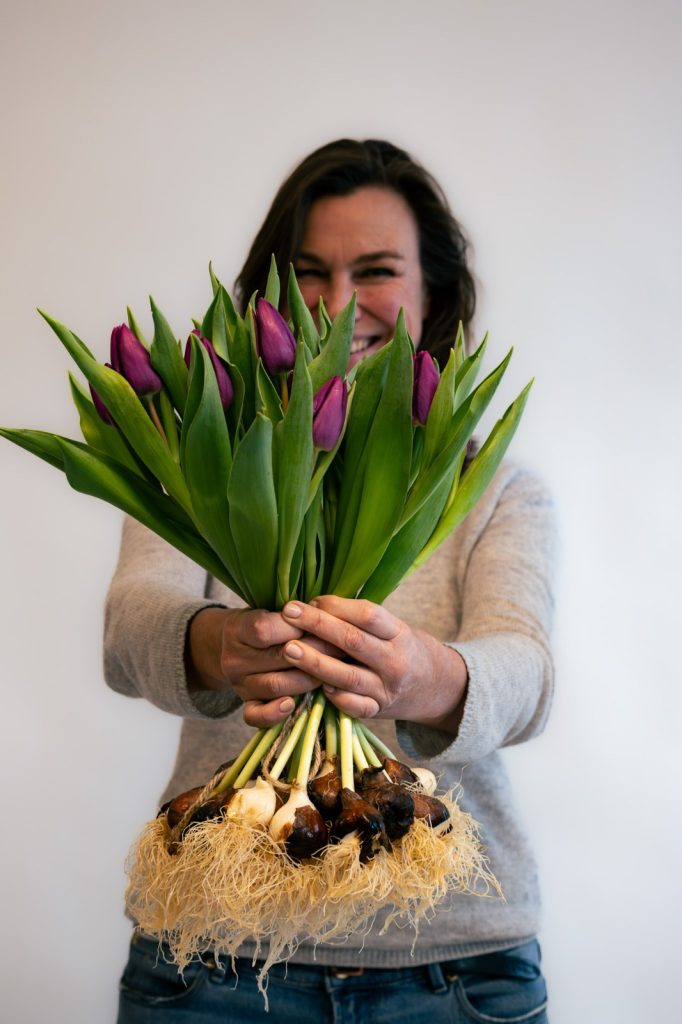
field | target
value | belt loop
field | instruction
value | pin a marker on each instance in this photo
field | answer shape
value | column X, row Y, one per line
column 437, row 978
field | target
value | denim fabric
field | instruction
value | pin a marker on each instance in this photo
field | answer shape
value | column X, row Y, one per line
column 496, row 987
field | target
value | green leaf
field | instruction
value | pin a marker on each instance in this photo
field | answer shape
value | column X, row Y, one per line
column 467, row 373
column 301, row 315
column 98, row 434
column 294, row 466
column 333, row 358
column 167, row 358
column 440, row 413
column 324, row 321
column 126, row 408
column 386, row 473
column 97, row 474
column 206, row 456
column 253, row 511
column 461, row 428
column 459, row 347
column 406, row 545
column 479, row 474
column 214, row 325
column 215, row 283
column 268, row 401
column 135, row 327
column 272, row 286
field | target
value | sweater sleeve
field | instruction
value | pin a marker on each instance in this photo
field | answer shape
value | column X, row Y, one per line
column 505, row 581
column 153, row 596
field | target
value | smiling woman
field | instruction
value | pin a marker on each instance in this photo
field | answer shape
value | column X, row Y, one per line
column 452, row 667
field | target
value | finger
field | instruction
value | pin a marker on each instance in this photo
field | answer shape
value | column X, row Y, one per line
column 260, row 629
column 261, row 715
column 366, row 615
column 348, row 637
column 344, row 675
column 352, row 704
column 274, row 685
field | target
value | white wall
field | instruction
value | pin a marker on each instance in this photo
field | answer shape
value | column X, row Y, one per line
column 140, row 140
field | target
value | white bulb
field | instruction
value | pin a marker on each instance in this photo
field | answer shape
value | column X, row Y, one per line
column 254, row 804
column 283, row 821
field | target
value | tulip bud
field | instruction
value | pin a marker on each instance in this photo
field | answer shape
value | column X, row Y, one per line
column 101, row 408
column 329, row 413
column 225, row 388
column 276, row 343
column 426, row 381
column 130, row 358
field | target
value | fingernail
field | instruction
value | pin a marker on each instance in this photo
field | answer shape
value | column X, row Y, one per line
column 293, row 651
column 292, row 610
column 286, row 705
column 315, row 603
column 329, row 689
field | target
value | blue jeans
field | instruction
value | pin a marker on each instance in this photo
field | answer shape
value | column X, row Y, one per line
column 505, row 987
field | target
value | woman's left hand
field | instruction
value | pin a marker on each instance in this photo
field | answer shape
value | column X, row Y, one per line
column 394, row 671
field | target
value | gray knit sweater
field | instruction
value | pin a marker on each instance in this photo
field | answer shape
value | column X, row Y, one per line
column 488, row 593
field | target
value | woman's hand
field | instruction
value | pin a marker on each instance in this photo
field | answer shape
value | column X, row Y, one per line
column 394, row 671
column 243, row 648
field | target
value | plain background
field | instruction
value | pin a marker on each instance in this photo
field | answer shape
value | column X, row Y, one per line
column 141, row 140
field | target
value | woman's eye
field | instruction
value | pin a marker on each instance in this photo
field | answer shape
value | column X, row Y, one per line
column 307, row 272
column 369, row 272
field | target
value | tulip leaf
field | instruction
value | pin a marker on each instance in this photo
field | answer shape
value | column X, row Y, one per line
column 100, row 435
column 234, row 413
column 385, row 474
column 314, row 548
column 324, row 321
column 333, row 358
column 169, row 423
column 477, row 477
column 272, row 285
column 253, row 511
column 460, row 430
column 293, row 469
column 167, row 358
column 467, row 373
column 440, row 413
column 407, row 544
column 214, row 325
column 268, row 401
column 301, row 315
column 135, row 327
column 38, row 442
column 206, row 456
column 459, row 346
column 127, row 409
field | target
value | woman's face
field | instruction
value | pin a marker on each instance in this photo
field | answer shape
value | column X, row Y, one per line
column 366, row 241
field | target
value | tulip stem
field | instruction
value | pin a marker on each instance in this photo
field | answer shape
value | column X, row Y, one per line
column 289, row 744
column 259, row 752
column 239, row 762
column 346, row 737
column 368, row 749
column 376, row 742
column 308, row 747
column 284, row 391
column 331, row 732
column 359, row 758
column 151, row 408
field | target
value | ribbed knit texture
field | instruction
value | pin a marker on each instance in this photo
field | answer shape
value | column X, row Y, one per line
column 488, row 593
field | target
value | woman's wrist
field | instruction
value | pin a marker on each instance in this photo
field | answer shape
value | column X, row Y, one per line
column 450, row 683
column 203, row 650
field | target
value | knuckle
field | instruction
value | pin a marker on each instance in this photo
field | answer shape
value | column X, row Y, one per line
column 261, row 631
column 354, row 680
column 353, row 638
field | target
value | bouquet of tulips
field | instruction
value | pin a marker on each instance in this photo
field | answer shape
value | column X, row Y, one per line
column 260, row 456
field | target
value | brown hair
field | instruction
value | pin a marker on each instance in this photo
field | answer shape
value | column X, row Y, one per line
column 340, row 168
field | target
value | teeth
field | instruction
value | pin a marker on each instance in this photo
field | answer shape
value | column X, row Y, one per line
column 360, row 345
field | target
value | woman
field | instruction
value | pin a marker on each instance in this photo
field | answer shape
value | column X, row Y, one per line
column 453, row 666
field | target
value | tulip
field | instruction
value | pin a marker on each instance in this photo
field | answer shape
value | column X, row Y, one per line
column 298, row 826
column 329, row 413
column 255, row 804
column 131, row 359
column 104, row 413
column 225, row 388
column 276, row 343
column 426, row 381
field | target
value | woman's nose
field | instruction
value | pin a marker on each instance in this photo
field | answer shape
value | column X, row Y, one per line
column 338, row 293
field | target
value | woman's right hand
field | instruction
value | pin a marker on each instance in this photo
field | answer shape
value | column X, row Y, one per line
column 242, row 648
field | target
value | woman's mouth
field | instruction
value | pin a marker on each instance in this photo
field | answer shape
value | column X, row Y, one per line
column 362, row 344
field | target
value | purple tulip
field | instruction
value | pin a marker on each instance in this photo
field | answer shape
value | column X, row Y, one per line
column 222, row 373
column 130, row 358
column 426, row 381
column 276, row 343
column 104, row 413
column 329, row 413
